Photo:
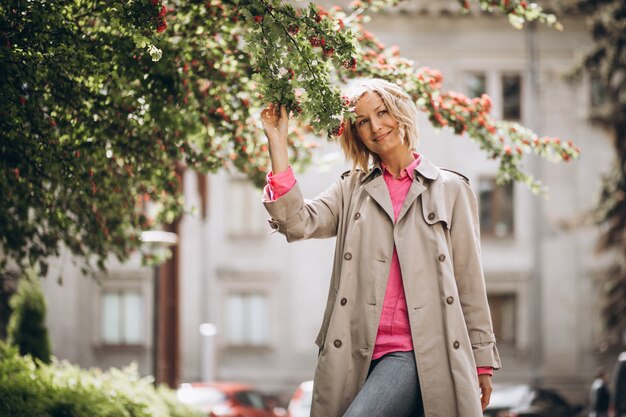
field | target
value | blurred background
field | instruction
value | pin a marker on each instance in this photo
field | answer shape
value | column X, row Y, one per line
column 237, row 303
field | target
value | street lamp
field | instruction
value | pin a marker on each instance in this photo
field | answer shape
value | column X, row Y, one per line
column 208, row 331
column 157, row 243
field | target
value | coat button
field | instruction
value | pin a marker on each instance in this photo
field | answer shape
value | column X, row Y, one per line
column 337, row 343
column 455, row 345
column 357, row 216
column 442, row 257
column 343, row 301
column 347, row 256
column 431, row 216
column 450, row 300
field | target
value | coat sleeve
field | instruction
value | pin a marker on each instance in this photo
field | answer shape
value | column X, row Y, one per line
column 468, row 271
column 299, row 219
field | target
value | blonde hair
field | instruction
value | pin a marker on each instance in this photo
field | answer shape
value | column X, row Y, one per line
column 400, row 106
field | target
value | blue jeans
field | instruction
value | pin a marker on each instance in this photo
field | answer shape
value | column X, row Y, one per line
column 392, row 389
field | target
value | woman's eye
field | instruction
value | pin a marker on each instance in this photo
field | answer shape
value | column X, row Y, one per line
column 380, row 113
column 362, row 122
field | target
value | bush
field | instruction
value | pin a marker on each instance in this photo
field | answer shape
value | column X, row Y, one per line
column 31, row 388
column 27, row 324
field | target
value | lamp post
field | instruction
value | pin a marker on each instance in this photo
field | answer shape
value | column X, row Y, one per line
column 534, row 122
column 208, row 331
column 157, row 242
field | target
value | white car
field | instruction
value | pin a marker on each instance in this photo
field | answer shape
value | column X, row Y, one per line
column 300, row 404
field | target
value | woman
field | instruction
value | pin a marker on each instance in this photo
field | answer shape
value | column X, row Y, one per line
column 407, row 328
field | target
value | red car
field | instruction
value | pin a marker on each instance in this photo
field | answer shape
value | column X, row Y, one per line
column 225, row 399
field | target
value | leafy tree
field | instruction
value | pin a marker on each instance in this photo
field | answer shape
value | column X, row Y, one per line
column 105, row 103
column 605, row 62
column 27, row 325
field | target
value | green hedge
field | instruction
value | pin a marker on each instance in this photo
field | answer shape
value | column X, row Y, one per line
column 27, row 325
column 34, row 389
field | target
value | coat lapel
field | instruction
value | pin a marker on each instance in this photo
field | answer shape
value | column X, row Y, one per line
column 425, row 172
column 377, row 189
column 416, row 189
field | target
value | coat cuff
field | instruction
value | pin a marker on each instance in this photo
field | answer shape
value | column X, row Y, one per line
column 285, row 209
column 485, row 350
column 486, row 355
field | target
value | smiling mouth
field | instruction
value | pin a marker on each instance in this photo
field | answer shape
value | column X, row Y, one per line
column 381, row 137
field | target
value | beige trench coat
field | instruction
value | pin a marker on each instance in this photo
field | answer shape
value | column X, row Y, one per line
column 437, row 239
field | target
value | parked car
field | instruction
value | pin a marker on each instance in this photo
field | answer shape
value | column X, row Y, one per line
column 225, row 399
column 525, row 401
column 300, row 404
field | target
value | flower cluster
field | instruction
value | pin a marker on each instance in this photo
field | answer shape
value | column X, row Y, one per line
column 316, row 34
column 518, row 11
column 109, row 142
column 161, row 11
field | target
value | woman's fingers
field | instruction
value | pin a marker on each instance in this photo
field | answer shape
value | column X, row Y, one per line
column 486, row 388
column 271, row 115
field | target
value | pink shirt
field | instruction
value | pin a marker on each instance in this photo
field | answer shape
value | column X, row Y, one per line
column 394, row 331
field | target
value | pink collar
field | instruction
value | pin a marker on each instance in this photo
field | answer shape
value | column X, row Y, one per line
column 409, row 170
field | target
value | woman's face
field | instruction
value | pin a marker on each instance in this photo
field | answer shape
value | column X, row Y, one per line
column 375, row 126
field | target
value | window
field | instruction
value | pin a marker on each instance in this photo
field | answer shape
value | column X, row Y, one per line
column 122, row 317
column 475, row 84
column 496, row 208
column 246, row 216
column 511, row 97
column 247, row 319
column 250, row 399
column 503, row 317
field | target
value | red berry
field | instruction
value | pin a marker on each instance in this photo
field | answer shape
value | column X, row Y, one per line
column 350, row 64
column 163, row 11
column 293, row 29
column 162, row 26
column 258, row 18
column 338, row 131
column 220, row 112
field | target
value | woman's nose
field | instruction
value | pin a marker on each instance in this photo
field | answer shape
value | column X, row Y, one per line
column 376, row 125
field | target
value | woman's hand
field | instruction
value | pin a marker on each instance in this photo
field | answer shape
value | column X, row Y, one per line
column 276, row 126
column 275, row 123
column 484, row 381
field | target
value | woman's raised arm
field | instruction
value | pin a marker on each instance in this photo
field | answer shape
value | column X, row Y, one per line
column 276, row 126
